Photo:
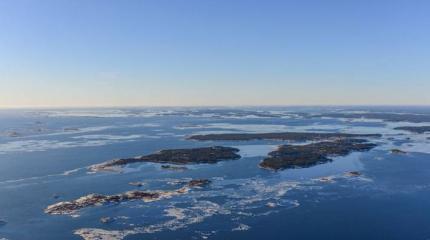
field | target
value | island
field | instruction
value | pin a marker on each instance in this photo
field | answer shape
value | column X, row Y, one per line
column 293, row 136
column 172, row 167
column 106, row 220
column 198, row 182
column 353, row 174
column 13, row 134
column 415, row 129
column 397, row 151
column 136, row 184
column 175, row 156
column 299, row 156
column 71, row 207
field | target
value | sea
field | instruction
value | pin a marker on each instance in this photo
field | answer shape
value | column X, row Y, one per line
column 45, row 155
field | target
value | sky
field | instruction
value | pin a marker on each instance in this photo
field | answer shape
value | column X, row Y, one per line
column 91, row 53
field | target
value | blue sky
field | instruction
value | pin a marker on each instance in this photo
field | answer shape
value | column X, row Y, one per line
column 214, row 52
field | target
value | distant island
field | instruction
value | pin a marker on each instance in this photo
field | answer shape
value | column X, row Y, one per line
column 415, row 129
column 391, row 117
column 293, row 136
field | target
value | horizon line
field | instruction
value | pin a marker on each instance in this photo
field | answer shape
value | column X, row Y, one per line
column 207, row 106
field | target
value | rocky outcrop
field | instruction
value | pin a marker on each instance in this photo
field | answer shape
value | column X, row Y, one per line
column 13, row 134
column 98, row 199
column 137, row 184
column 70, row 129
column 106, row 220
column 353, row 174
column 173, row 168
column 397, row 151
column 199, row 182
column 71, row 207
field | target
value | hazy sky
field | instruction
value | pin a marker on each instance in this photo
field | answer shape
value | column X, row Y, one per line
column 214, row 52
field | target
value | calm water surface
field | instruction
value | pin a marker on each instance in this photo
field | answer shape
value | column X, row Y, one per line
column 44, row 154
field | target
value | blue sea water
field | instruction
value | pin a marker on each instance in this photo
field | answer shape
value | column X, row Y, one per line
column 45, row 155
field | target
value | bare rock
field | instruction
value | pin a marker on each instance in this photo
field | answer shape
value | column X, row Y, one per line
column 106, row 220
column 199, row 182
column 353, row 174
column 174, row 168
column 137, row 184
column 397, row 151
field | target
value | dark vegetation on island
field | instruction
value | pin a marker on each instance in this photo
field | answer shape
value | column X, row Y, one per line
column 336, row 143
column 293, row 136
column 298, row 156
column 391, row 117
column 415, row 129
column 176, row 156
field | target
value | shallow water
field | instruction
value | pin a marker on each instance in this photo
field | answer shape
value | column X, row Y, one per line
column 46, row 153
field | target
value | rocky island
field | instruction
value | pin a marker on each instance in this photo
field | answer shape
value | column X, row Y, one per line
column 353, row 174
column 293, row 136
column 296, row 156
column 106, row 220
column 98, row 199
column 136, row 184
column 71, row 207
column 13, row 134
column 175, row 156
column 415, row 129
column 397, row 151
column 198, row 182
column 173, row 168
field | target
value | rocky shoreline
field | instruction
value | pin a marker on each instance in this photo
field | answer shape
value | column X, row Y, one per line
column 71, row 207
